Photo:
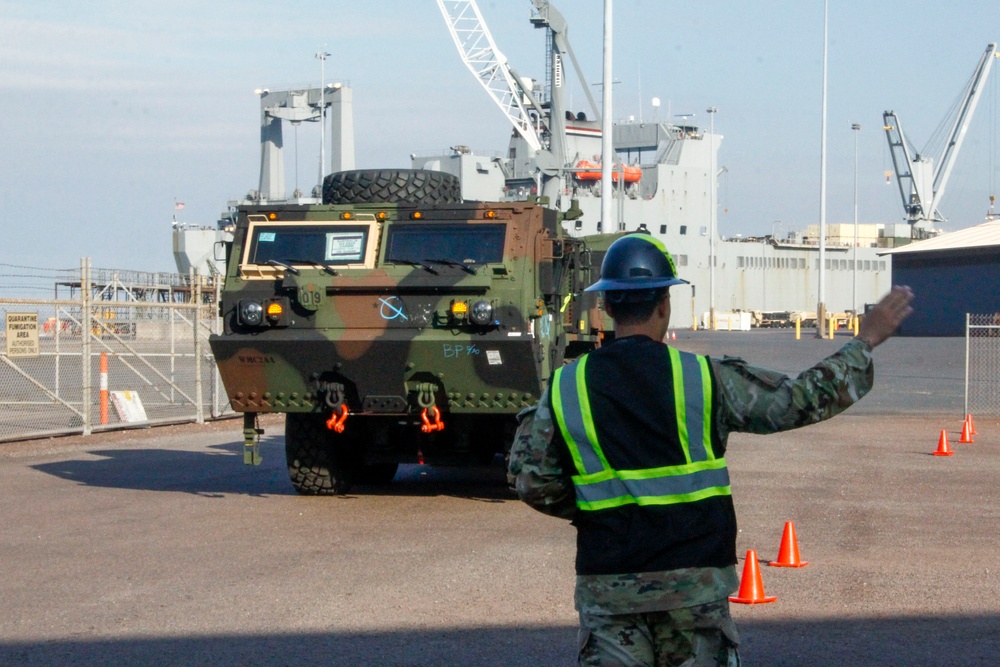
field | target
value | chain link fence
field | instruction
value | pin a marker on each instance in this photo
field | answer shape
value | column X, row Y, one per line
column 982, row 364
column 124, row 348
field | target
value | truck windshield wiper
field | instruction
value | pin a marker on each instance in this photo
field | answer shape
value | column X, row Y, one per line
column 320, row 265
column 413, row 262
column 451, row 262
column 284, row 265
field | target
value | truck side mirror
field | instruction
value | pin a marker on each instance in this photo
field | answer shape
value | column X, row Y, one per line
column 221, row 251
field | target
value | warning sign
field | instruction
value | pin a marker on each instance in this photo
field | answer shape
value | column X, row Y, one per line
column 128, row 405
column 22, row 335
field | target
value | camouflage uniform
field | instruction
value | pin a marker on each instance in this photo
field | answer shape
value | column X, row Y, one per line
column 683, row 614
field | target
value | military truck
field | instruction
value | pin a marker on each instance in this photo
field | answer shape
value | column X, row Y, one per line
column 396, row 323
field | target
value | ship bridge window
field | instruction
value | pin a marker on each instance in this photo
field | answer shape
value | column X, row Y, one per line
column 684, row 230
column 868, row 265
column 740, row 262
column 310, row 244
column 682, row 260
column 663, row 229
column 468, row 244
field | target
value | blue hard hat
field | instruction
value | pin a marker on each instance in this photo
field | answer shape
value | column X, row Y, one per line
column 636, row 262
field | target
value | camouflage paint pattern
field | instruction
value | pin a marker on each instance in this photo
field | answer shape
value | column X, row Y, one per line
column 380, row 336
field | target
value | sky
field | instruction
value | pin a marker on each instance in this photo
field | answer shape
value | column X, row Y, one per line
column 114, row 110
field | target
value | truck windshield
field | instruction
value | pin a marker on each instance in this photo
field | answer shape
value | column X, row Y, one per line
column 310, row 244
column 466, row 244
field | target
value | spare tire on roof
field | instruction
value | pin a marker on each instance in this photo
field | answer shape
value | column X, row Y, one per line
column 391, row 186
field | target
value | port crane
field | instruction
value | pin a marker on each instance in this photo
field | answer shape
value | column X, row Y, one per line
column 921, row 178
column 541, row 124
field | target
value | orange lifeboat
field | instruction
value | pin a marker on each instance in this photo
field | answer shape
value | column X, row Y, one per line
column 632, row 174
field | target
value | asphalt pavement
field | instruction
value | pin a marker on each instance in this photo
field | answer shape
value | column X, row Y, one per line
column 158, row 546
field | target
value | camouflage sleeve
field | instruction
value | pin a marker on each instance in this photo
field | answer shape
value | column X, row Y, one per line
column 756, row 400
column 536, row 464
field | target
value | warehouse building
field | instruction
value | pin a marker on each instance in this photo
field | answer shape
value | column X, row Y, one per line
column 951, row 275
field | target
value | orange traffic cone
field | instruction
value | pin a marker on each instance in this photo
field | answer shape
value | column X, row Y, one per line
column 751, row 585
column 972, row 424
column 966, row 432
column 943, row 449
column 788, row 553
column 673, row 335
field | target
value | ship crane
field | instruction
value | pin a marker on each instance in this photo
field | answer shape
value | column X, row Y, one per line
column 545, row 132
column 490, row 67
column 922, row 179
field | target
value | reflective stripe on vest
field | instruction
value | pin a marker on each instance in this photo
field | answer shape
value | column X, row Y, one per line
column 599, row 486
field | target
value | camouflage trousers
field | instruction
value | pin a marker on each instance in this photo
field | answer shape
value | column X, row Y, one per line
column 703, row 635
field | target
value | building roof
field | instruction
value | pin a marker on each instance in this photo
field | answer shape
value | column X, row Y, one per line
column 980, row 236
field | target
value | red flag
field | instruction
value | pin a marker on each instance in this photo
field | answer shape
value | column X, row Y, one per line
column 178, row 205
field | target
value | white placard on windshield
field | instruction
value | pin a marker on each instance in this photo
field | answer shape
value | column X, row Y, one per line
column 345, row 246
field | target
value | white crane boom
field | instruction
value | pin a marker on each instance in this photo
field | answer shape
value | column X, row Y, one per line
column 489, row 65
column 921, row 183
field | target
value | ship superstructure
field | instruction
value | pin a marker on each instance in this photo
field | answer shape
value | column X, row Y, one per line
column 663, row 180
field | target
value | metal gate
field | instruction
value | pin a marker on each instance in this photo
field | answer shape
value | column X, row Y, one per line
column 86, row 364
column 982, row 364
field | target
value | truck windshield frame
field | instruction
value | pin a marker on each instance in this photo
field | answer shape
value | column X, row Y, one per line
column 310, row 244
column 467, row 244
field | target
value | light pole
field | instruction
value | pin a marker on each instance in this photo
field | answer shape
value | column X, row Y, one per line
column 711, row 220
column 821, row 306
column 856, row 128
column 322, row 56
column 607, row 127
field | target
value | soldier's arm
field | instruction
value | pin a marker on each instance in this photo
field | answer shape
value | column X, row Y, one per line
column 537, row 464
column 757, row 400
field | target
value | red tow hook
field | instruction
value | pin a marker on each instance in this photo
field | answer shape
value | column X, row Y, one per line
column 335, row 422
column 432, row 423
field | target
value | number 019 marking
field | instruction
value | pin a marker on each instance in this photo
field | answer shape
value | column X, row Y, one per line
column 310, row 297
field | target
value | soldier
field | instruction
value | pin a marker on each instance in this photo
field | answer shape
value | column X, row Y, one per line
column 628, row 442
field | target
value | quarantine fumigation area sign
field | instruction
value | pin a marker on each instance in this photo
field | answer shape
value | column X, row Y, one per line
column 22, row 335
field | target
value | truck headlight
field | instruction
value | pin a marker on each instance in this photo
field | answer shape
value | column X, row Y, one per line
column 481, row 313
column 251, row 312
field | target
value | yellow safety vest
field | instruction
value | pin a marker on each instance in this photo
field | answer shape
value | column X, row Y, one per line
column 599, row 486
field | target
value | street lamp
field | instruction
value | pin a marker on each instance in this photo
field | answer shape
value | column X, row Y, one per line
column 711, row 220
column 856, row 128
column 821, row 306
column 322, row 56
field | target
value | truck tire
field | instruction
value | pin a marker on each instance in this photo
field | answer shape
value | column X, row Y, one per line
column 319, row 462
column 391, row 186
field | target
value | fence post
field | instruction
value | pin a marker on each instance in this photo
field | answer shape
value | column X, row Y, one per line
column 200, row 410
column 965, row 411
column 216, row 329
column 85, row 323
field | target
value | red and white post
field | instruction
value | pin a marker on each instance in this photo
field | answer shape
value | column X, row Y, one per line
column 104, row 387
